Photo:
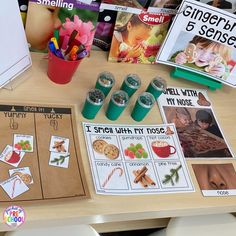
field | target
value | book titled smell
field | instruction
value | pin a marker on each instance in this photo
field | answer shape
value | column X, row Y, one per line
column 137, row 38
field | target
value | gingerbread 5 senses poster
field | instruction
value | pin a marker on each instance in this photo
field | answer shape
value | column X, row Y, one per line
column 201, row 39
column 128, row 159
column 198, row 130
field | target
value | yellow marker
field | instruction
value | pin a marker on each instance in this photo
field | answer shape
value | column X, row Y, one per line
column 54, row 40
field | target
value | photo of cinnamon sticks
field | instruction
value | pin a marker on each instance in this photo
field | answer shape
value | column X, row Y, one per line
column 142, row 178
column 58, row 145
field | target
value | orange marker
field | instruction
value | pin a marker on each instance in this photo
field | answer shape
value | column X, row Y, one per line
column 73, row 53
column 74, row 49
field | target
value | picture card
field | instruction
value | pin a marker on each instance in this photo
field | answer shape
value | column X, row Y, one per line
column 59, row 144
column 59, row 159
column 126, row 159
column 14, row 186
column 216, row 179
column 198, row 129
column 23, row 143
column 11, row 157
column 201, row 39
column 24, row 173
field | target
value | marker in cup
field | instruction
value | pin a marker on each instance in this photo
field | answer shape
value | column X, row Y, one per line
column 130, row 84
column 105, row 82
column 142, row 106
column 156, row 87
column 94, row 101
column 117, row 104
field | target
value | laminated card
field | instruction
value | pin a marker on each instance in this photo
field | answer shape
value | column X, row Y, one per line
column 198, row 130
column 202, row 40
column 128, row 159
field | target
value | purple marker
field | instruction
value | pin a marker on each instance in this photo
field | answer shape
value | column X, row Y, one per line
column 82, row 54
column 59, row 54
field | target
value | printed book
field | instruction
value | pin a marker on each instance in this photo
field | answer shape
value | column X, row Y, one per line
column 131, row 6
column 138, row 37
column 202, row 40
column 164, row 6
column 198, row 130
column 229, row 6
column 46, row 16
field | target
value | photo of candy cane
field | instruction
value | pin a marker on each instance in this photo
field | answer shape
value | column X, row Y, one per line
column 112, row 173
column 14, row 186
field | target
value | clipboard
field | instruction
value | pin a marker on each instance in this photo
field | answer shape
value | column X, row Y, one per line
column 15, row 55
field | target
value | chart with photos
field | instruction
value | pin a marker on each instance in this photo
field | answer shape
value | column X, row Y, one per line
column 128, row 159
column 39, row 154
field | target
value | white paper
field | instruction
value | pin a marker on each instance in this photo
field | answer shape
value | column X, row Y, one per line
column 15, row 55
column 11, row 157
column 113, row 165
column 14, row 186
column 219, row 193
column 21, row 172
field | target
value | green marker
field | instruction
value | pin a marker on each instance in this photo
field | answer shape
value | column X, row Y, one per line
column 56, row 34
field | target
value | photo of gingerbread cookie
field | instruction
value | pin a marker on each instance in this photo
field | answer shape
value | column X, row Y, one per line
column 26, row 178
column 111, row 151
column 202, row 101
column 98, row 145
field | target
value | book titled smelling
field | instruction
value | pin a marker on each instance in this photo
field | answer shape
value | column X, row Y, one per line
column 46, row 16
column 138, row 37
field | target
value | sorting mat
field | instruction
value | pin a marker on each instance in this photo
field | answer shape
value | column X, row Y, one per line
column 40, row 154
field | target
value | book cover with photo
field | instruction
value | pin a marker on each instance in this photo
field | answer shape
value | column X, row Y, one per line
column 229, row 6
column 161, row 6
column 44, row 17
column 202, row 40
column 198, row 129
column 23, row 5
column 132, row 6
column 138, row 37
column 104, row 30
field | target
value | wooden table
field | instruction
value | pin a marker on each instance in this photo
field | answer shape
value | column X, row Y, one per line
column 112, row 213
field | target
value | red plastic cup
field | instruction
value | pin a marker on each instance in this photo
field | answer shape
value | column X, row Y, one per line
column 61, row 71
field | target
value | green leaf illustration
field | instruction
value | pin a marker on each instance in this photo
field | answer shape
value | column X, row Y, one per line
column 173, row 177
column 60, row 160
